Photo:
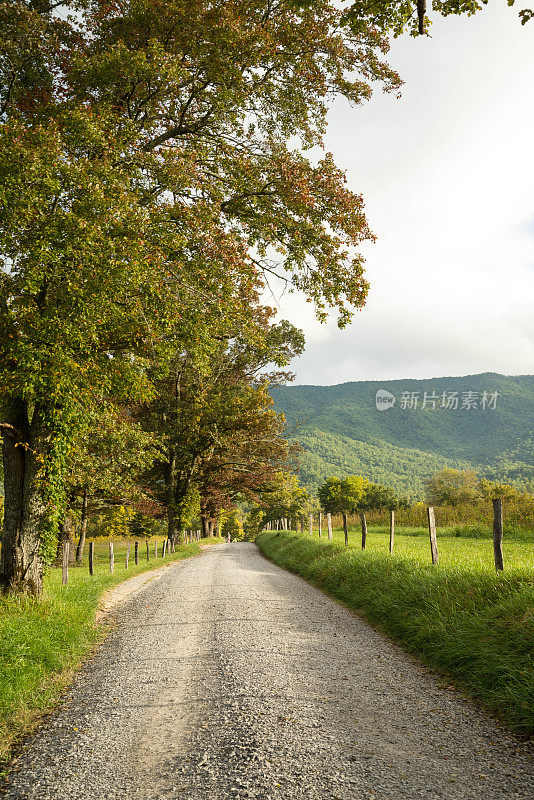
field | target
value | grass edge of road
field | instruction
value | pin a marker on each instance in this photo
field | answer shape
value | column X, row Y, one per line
column 44, row 641
column 475, row 628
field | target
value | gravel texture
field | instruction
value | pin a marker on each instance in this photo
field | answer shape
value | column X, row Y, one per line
column 227, row 677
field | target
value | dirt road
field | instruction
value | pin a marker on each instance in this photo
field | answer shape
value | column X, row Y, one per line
column 227, row 677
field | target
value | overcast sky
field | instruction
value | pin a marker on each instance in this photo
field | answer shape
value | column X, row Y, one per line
column 447, row 174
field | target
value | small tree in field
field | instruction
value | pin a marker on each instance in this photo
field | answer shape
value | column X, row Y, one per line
column 452, row 487
column 378, row 497
column 338, row 495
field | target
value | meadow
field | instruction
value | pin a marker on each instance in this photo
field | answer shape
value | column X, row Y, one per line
column 459, row 546
column 473, row 626
column 43, row 641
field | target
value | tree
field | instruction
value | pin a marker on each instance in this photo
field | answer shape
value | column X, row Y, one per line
column 450, row 487
column 231, row 525
column 377, row 497
column 491, row 489
column 105, row 468
column 338, row 495
column 251, row 450
column 125, row 203
column 140, row 525
column 214, row 418
column 284, row 499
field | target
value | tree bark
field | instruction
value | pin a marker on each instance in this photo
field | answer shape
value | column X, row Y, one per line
column 212, row 526
column 169, row 496
column 205, row 526
column 83, row 529
column 21, row 562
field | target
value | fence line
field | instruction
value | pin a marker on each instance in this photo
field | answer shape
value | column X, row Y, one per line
column 344, row 519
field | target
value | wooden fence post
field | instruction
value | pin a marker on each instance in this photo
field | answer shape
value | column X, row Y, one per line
column 329, row 525
column 364, row 529
column 432, row 532
column 320, row 524
column 164, row 550
column 497, row 534
column 127, row 559
column 111, row 558
column 311, row 524
column 91, row 558
column 345, row 529
column 391, row 530
column 136, row 553
column 65, row 563
column 147, row 550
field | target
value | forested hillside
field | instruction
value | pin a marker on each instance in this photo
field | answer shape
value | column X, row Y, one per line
column 484, row 421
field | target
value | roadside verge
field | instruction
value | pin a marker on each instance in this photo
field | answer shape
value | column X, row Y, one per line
column 475, row 628
column 44, row 641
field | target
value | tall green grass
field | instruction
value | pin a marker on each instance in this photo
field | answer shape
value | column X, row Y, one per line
column 460, row 617
column 43, row 641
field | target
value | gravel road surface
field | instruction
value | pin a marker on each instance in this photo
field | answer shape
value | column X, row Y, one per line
column 227, row 677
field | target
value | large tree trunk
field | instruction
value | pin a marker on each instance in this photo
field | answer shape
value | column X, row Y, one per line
column 212, row 526
column 21, row 562
column 205, row 526
column 169, row 497
column 83, row 529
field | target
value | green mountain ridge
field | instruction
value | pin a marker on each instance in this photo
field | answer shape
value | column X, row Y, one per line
column 342, row 431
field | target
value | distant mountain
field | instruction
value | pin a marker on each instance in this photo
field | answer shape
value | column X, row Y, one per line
column 483, row 421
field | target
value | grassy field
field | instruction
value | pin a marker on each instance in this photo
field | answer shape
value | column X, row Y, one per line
column 474, row 626
column 458, row 546
column 43, row 641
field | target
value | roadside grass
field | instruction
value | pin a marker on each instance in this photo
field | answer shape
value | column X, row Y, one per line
column 460, row 618
column 42, row 642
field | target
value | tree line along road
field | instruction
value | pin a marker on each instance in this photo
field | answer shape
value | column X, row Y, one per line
column 227, row 677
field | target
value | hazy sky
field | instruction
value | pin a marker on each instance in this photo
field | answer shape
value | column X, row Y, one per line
column 447, row 174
